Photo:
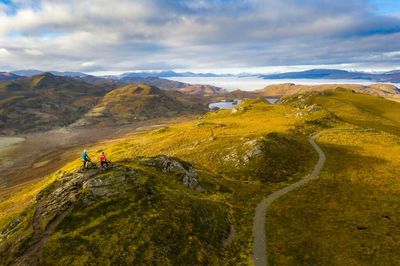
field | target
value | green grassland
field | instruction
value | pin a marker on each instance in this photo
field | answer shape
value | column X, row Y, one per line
column 349, row 215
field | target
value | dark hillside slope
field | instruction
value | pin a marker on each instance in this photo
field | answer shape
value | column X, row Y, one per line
column 112, row 82
column 44, row 101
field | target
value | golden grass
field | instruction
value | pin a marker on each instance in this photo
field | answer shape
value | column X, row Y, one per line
column 349, row 216
column 216, row 143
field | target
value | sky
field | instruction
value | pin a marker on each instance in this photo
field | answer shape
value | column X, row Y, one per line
column 222, row 36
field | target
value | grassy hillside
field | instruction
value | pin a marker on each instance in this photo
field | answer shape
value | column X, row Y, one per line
column 44, row 102
column 144, row 213
column 140, row 102
column 186, row 193
column 387, row 91
column 349, row 216
column 201, row 90
column 383, row 90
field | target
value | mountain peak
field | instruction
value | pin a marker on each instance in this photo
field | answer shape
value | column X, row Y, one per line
column 142, row 89
column 7, row 76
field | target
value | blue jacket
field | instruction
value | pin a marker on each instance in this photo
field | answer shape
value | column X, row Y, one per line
column 84, row 156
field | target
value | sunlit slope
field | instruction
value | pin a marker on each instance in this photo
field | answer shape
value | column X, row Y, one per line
column 239, row 156
column 137, row 102
column 223, row 141
column 349, row 216
column 362, row 110
column 387, row 91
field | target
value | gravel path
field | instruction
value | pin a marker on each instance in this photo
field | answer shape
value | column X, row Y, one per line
column 259, row 244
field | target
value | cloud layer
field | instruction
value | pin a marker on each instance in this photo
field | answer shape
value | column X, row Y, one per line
column 125, row 35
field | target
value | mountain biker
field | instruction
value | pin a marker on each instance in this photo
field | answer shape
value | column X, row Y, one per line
column 103, row 160
column 85, row 158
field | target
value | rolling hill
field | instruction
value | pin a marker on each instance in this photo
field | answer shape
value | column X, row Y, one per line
column 353, row 204
column 6, row 76
column 140, row 102
column 202, row 90
column 44, row 101
column 47, row 101
column 154, row 81
column 387, row 91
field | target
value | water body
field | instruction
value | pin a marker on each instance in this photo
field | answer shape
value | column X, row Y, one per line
column 255, row 83
column 224, row 104
column 272, row 100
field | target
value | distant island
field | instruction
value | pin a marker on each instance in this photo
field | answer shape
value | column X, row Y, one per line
column 391, row 76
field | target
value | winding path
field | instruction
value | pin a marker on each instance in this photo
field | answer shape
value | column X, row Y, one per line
column 259, row 244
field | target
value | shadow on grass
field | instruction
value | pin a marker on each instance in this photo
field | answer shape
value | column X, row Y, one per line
column 335, row 220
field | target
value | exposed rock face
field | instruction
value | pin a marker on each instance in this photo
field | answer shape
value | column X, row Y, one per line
column 253, row 150
column 98, row 187
column 108, row 186
column 11, row 228
column 172, row 165
column 52, row 203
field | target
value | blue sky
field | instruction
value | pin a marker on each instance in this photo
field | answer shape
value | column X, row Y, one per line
column 388, row 7
column 101, row 36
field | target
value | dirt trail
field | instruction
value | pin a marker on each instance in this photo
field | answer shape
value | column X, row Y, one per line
column 259, row 244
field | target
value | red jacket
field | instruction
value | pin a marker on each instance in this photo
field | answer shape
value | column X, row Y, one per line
column 103, row 158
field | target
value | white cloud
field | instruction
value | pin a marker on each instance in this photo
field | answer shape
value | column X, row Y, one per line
column 33, row 52
column 4, row 53
column 126, row 35
column 88, row 64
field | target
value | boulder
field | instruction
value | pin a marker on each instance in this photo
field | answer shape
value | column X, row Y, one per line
column 173, row 165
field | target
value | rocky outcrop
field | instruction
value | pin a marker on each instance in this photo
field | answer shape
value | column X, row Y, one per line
column 11, row 228
column 166, row 164
column 239, row 157
column 108, row 185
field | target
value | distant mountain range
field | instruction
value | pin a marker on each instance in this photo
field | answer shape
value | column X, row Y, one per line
column 169, row 74
column 391, row 76
column 34, row 72
column 151, row 74
column 5, row 76
column 134, row 77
